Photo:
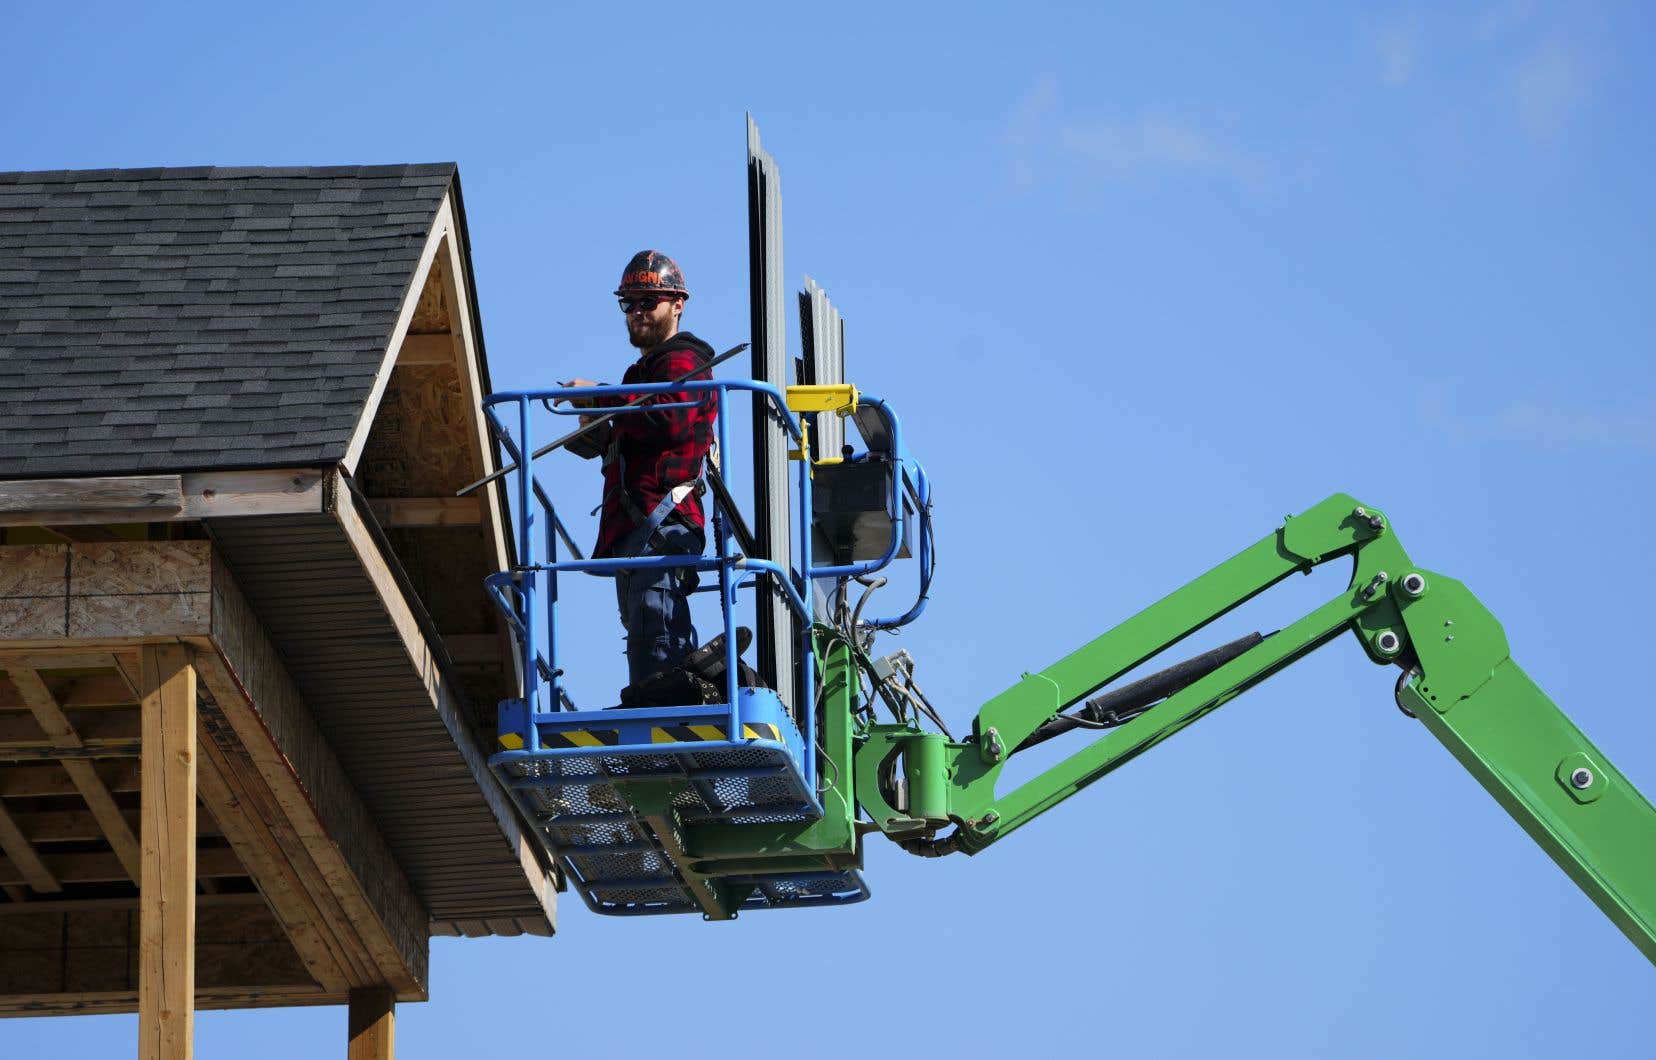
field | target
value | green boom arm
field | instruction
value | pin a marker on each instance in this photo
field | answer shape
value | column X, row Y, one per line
column 1459, row 680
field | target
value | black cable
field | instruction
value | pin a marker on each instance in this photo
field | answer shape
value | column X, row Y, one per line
column 932, row 848
column 1120, row 705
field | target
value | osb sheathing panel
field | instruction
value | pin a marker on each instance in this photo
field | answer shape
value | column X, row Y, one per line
column 431, row 314
column 34, row 592
column 421, row 444
column 116, row 569
column 105, row 590
column 33, row 570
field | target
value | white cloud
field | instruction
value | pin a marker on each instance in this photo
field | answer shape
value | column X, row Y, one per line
column 1155, row 143
column 1548, row 88
column 1041, row 137
column 1028, row 128
column 1548, row 422
column 1398, row 46
column 1499, row 18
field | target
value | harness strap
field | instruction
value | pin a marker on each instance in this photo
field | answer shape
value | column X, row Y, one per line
column 670, row 500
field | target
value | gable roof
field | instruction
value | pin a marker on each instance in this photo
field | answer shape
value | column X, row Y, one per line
column 203, row 318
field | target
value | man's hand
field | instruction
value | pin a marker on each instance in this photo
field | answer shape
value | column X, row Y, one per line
column 579, row 403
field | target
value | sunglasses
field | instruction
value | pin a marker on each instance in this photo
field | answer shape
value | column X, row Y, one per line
column 645, row 304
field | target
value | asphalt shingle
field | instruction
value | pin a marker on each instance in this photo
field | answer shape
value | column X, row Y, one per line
column 178, row 319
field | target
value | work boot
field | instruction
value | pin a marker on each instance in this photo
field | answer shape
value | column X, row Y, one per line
column 696, row 679
column 708, row 661
column 672, row 687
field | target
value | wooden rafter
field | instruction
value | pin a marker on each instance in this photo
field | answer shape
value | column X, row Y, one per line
column 251, row 828
column 21, row 853
column 85, row 777
column 426, row 511
column 329, row 945
column 103, row 733
column 127, row 905
column 79, row 826
column 106, row 868
column 87, row 690
column 23, row 781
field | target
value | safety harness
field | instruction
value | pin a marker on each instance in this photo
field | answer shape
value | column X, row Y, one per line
column 670, row 500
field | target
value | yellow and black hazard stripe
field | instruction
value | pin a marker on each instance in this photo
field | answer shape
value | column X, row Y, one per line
column 574, row 738
column 705, row 733
column 512, row 741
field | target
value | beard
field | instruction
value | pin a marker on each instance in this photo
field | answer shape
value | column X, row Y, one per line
column 646, row 333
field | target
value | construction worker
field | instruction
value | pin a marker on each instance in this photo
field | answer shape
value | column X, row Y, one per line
column 653, row 468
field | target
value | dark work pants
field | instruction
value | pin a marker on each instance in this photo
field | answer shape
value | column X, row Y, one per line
column 655, row 604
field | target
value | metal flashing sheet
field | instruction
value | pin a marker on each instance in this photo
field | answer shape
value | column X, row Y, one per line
column 822, row 333
column 771, row 498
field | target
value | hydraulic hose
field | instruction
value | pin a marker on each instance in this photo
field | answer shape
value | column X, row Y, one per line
column 1119, row 705
column 932, row 848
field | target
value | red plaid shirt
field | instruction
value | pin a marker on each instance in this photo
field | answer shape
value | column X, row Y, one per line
column 659, row 450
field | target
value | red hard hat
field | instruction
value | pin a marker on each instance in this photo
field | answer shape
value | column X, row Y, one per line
column 651, row 270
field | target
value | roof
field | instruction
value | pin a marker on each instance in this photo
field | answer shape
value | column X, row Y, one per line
column 204, row 318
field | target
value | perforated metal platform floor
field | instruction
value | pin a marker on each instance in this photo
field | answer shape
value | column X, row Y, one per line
column 575, row 790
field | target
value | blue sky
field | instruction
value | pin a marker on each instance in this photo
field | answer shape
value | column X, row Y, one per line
column 1140, row 281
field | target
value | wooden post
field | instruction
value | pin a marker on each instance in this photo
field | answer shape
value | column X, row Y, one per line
column 372, row 1013
column 166, row 921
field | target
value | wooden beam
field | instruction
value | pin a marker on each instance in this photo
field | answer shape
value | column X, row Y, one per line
column 251, row 826
column 125, row 905
column 426, row 511
column 107, row 868
column 81, row 772
column 66, row 505
column 37, row 659
column 104, row 734
column 128, row 499
column 22, row 853
column 69, row 826
column 105, row 1001
column 20, row 781
column 372, row 1021
column 227, row 494
column 426, row 349
column 372, row 909
column 166, row 950
column 86, row 690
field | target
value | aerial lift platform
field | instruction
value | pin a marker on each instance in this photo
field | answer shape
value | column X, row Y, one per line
column 762, row 800
column 619, row 792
